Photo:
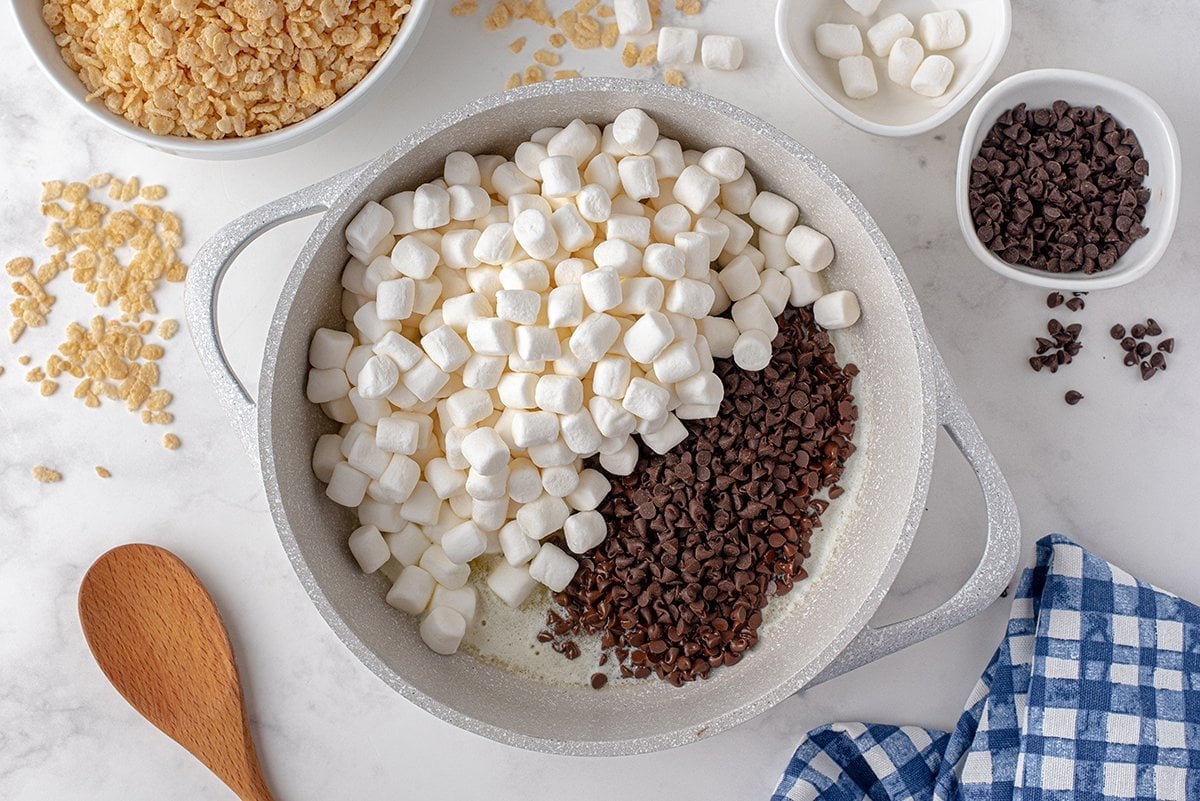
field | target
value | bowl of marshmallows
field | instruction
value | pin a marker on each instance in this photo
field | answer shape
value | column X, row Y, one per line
column 893, row 67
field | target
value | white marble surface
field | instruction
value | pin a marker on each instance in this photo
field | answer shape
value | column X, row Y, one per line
column 1118, row 471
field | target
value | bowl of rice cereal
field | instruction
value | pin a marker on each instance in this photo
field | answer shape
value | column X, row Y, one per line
column 221, row 80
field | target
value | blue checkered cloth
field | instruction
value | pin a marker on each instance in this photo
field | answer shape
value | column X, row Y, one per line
column 1094, row 694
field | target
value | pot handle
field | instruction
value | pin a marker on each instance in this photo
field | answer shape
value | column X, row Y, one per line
column 204, row 285
column 996, row 565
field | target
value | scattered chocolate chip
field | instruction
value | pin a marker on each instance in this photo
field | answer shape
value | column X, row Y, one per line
column 1148, row 371
column 1159, row 361
column 1143, row 349
column 599, row 680
column 1128, row 343
column 1152, row 327
column 1054, row 327
column 1054, row 300
column 1167, row 345
column 1075, row 304
column 1073, row 397
column 1117, row 331
column 1131, row 359
column 1138, row 331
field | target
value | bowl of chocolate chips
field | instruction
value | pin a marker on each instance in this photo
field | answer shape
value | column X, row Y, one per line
column 1068, row 180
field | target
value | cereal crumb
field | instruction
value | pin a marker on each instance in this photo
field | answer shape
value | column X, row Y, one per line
column 605, row 12
column 23, row 359
column 608, row 36
column 498, row 19
column 689, row 7
column 517, row 45
column 675, row 78
column 19, row 266
column 46, row 475
column 464, row 8
column 648, row 56
column 48, row 387
column 534, row 74
column 560, row 75
column 168, row 328
column 153, row 193
column 513, row 81
column 99, row 180
column 103, row 472
column 629, row 55
column 547, row 58
column 171, row 442
column 584, row 6
column 557, row 40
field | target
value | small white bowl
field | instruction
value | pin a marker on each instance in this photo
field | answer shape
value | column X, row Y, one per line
column 41, row 41
column 895, row 110
column 1132, row 108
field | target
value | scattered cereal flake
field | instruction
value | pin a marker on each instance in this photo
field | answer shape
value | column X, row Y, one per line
column 154, row 192
column 171, row 442
column 585, row 6
column 675, row 78
column 560, row 75
column 608, row 37
column 534, row 74
column 24, row 359
column 51, row 190
column 46, row 475
column 517, row 45
column 48, row 388
column 15, row 329
column 605, row 12
column 629, row 55
column 168, row 328
column 35, row 375
column 21, row 265
column 103, row 472
column 688, row 7
column 99, row 180
column 547, row 58
column 498, row 19
column 648, row 56
column 464, row 8
column 557, row 40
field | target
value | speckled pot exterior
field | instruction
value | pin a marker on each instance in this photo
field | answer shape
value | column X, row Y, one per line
column 904, row 394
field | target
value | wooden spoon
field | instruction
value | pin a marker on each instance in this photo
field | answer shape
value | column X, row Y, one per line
column 158, row 637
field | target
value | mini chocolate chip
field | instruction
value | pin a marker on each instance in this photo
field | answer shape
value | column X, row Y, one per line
column 1128, row 343
column 1138, row 331
column 1148, row 371
column 1117, row 331
column 1143, row 349
column 1054, row 299
column 1072, row 397
column 1167, row 345
column 599, row 680
column 1075, row 304
column 1159, row 360
column 1131, row 359
column 1152, row 327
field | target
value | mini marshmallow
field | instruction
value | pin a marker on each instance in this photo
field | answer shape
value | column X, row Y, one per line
column 677, row 362
column 811, row 249
column 492, row 337
column 883, row 34
column 347, row 486
column 518, row 390
column 399, row 479
column 573, row 230
column 720, row 333
column 520, row 203
column 444, row 479
column 601, row 289
column 540, row 518
column 752, row 351
column 537, row 343
column 520, row 306
column 564, row 306
column 487, row 488
column 838, row 309
column 633, row 128
column 737, row 196
column 468, row 202
column 560, row 176
column 468, row 406
column 524, row 481
column 717, row 233
column 739, row 278
column 906, row 56
column 638, row 177
column 365, row 456
column 378, row 377
column 552, row 566
column 677, row 45
column 445, row 348
column 618, row 255
column 326, row 385
column 329, row 349
column 529, row 157
column 592, row 488
column 695, row 248
column 326, row 456
column 368, row 548
column 669, row 222
column 401, row 207
column 422, row 506
column 459, row 312
column 773, row 250
column 483, row 372
column 372, row 226
column 668, row 158
column 370, row 327
column 485, row 279
column 839, row 41
column 622, row 461
column 534, row 428
column 592, row 338
column 858, row 77
column 352, row 277
column 579, row 432
column 648, row 337
column 611, row 418
column 577, row 140
column 535, row 234
column 775, row 290
column 490, row 515
column 395, row 299
column 864, row 7
column 559, row 480
column 427, row 295
column 933, row 76
column 517, row 548
column 640, row 295
column 611, row 377
column 447, row 573
column 634, row 230
column 690, row 297
column 569, row 364
column 696, row 188
column 511, row 584
column 411, row 591
column 560, row 394
column 584, row 531
column 460, row 168
column 805, row 286
column 425, row 379
column 463, row 543
column 486, row 451
column 740, row 231
column 400, row 349
column 431, row 207
column 594, row 203
column 508, row 180
column 633, row 18
column 443, row 630
column 487, row 167
column 645, row 399
column 601, row 173
column 723, row 163
column 664, row 439
column 496, row 244
column 453, row 447
column 696, row 411
column 942, row 30
column 398, row 433
column 774, row 213
column 753, row 314
column 382, row 515
column 542, row 136
column 701, row 388
column 464, row 600
column 406, row 545
column 552, row 454
column 721, row 52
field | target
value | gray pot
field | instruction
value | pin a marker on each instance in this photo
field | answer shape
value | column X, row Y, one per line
column 904, row 395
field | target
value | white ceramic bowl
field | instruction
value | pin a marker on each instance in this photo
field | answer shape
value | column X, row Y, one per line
column 41, row 41
column 895, row 110
column 1134, row 109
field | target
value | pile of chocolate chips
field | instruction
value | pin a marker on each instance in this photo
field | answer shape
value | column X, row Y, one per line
column 1140, row 353
column 1058, row 351
column 700, row 539
column 1059, row 189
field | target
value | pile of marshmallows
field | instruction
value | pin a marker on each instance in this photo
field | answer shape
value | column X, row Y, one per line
column 516, row 317
column 892, row 38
